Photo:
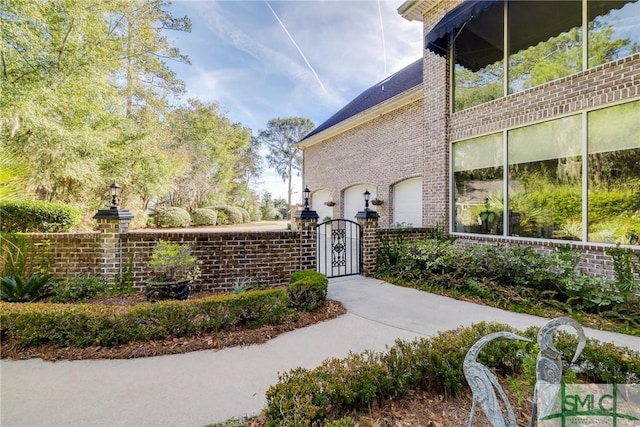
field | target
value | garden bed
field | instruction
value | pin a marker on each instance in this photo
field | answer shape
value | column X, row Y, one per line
column 173, row 345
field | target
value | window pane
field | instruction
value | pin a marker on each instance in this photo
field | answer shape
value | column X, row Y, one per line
column 614, row 30
column 545, row 180
column 479, row 58
column 478, row 185
column 614, row 174
column 545, row 41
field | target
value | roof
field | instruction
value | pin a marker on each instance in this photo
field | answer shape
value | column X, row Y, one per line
column 403, row 80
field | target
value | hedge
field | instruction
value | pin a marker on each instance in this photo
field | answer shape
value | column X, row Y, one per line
column 37, row 217
column 83, row 325
column 304, row 397
column 171, row 217
column 204, row 216
column 307, row 289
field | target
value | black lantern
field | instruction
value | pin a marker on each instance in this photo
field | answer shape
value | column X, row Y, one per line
column 307, row 193
column 115, row 195
column 367, row 196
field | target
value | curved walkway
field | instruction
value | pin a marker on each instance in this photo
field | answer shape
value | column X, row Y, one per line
column 204, row 387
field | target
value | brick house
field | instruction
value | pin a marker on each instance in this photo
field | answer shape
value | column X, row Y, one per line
column 525, row 127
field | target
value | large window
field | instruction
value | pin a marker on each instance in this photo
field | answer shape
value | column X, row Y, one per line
column 478, row 194
column 546, row 179
column 614, row 174
column 545, row 41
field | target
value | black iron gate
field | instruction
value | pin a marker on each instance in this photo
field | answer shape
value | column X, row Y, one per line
column 339, row 248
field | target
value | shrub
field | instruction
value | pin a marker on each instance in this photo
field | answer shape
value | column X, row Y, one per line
column 79, row 289
column 303, row 397
column 245, row 214
column 64, row 325
column 37, row 217
column 204, row 216
column 222, row 218
column 233, row 215
column 307, row 289
column 17, row 289
column 171, row 217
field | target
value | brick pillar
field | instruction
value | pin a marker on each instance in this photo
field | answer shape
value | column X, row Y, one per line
column 368, row 221
column 112, row 223
column 306, row 221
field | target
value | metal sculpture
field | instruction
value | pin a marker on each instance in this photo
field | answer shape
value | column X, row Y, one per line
column 484, row 385
column 549, row 363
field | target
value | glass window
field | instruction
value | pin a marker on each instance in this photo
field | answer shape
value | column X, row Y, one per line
column 614, row 30
column 614, row 174
column 545, row 179
column 479, row 59
column 545, row 41
column 478, row 185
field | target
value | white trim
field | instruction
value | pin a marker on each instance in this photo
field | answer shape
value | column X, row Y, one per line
column 538, row 240
column 405, row 98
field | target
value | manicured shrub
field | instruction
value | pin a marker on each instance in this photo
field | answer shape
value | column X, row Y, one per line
column 245, row 214
column 204, row 216
column 37, row 217
column 232, row 215
column 307, row 289
column 171, row 217
column 304, row 397
column 64, row 325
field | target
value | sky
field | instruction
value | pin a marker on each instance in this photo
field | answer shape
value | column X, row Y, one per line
column 276, row 59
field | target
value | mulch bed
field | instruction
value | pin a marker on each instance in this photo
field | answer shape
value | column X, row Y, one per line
column 174, row 345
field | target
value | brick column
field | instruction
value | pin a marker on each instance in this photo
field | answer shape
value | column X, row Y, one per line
column 306, row 221
column 111, row 224
column 368, row 221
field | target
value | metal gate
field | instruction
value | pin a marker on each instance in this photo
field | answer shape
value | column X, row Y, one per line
column 339, row 248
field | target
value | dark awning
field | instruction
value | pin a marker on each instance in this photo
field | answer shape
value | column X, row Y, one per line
column 437, row 39
column 477, row 26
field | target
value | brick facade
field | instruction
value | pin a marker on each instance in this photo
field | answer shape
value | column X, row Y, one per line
column 363, row 155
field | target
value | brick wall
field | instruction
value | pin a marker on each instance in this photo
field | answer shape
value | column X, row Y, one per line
column 363, row 155
column 594, row 260
column 267, row 257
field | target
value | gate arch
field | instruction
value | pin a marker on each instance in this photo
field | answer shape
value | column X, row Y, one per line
column 339, row 248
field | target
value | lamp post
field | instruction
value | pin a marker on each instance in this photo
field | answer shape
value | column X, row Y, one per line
column 367, row 213
column 306, row 194
column 115, row 195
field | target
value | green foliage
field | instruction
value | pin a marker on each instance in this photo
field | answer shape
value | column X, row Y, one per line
column 304, row 397
column 171, row 217
column 79, row 289
column 37, row 217
column 63, row 325
column 172, row 262
column 513, row 274
column 307, row 289
column 626, row 263
column 245, row 214
column 222, row 218
column 17, row 289
column 203, row 216
column 20, row 256
column 232, row 215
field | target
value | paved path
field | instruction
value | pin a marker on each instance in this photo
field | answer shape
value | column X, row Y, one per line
column 203, row 387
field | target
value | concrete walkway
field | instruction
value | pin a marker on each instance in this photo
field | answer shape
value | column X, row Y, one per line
column 204, row 387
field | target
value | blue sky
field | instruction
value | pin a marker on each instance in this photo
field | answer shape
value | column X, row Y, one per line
column 261, row 60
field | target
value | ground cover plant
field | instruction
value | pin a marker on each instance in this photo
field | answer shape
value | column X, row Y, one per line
column 518, row 278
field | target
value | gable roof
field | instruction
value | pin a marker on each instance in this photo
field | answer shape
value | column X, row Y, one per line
column 399, row 82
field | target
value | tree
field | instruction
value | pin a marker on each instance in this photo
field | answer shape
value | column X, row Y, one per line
column 280, row 139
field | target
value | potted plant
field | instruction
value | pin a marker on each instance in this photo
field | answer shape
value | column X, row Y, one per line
column 174, row 268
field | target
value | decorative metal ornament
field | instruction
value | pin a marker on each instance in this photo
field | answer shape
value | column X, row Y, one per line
column 484, row 385
column 549, row 363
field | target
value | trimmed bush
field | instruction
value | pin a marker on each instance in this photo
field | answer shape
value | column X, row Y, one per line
column 307, row 289
column 171, row 217
column 37, row 217
column 304, row 397
column 232, row 215
column 79, row 289
column 245, row 214
column 204, row 216
column 83, row 325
